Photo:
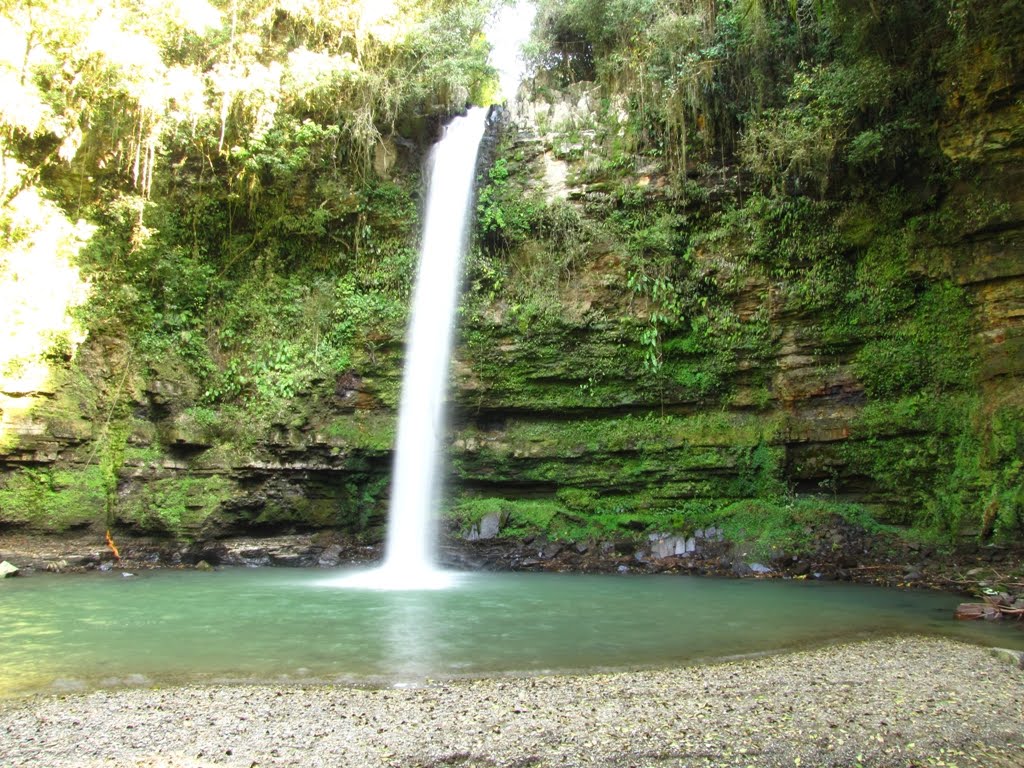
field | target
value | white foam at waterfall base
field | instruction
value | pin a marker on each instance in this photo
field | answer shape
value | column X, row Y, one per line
column 412, row 528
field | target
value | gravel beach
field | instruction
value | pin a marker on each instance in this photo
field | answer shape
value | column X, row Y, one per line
column 890, row 702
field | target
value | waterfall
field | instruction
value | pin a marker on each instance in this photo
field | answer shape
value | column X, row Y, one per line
column 415, row 487
column 415, row 484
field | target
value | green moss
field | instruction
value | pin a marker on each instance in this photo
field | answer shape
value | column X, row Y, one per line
column 633, row 433
column 142, row 455
column 981, row 490
column 929, row 349
column 111, row 458
column 544, row 364
column 53, row 500
column 8, row 442
column 176, row 505
column 577, row 499
column 301, row 511
column 363, row 430
column 762, row 528
column 947, row 464
column 628, row 463
column 908, row 446
column 611, row 518
column 768, row 528
column 76, row 404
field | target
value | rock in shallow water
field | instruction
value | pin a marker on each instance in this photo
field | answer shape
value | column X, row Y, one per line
column 330, row 557
column 7, row 570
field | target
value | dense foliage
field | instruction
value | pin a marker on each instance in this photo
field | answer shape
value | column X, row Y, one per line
column 238, row 181
column 225, row 153
column 801, row 146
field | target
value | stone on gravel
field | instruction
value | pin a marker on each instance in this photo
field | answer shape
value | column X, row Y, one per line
column 1009, row 656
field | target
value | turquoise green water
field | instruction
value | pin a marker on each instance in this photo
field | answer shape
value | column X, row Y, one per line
column 269, row 625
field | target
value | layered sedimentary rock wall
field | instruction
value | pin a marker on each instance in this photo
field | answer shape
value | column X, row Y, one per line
column 575, row 412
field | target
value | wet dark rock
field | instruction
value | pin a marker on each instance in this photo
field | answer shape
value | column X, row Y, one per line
column 549, row 550
column 81, row 561
column 212, row 553
column 291, row 559
column 330, row 557
column 741, row 569
column 249, row 556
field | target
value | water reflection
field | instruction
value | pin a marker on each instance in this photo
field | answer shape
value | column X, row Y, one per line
column 411, row 639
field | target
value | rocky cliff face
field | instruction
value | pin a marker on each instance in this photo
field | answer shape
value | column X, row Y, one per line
column 574, row 412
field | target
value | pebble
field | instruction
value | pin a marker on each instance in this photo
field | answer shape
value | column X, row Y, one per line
column 880, row 703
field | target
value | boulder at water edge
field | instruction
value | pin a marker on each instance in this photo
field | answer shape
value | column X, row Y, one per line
column 7, row 570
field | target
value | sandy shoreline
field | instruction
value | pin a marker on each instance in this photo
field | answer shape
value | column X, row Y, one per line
column 892, row 702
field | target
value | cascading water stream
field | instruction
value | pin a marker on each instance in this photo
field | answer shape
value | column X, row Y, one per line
column 415, row 484
column 415, row 487
column 412, row 529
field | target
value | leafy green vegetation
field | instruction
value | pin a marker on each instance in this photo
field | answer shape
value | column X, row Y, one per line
column 751, row 248
column 768, row 529
column 526, row 246
column 929, row 349
column 764, row 529
column 228, row 160
column 840, row 218
column 365, row 431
